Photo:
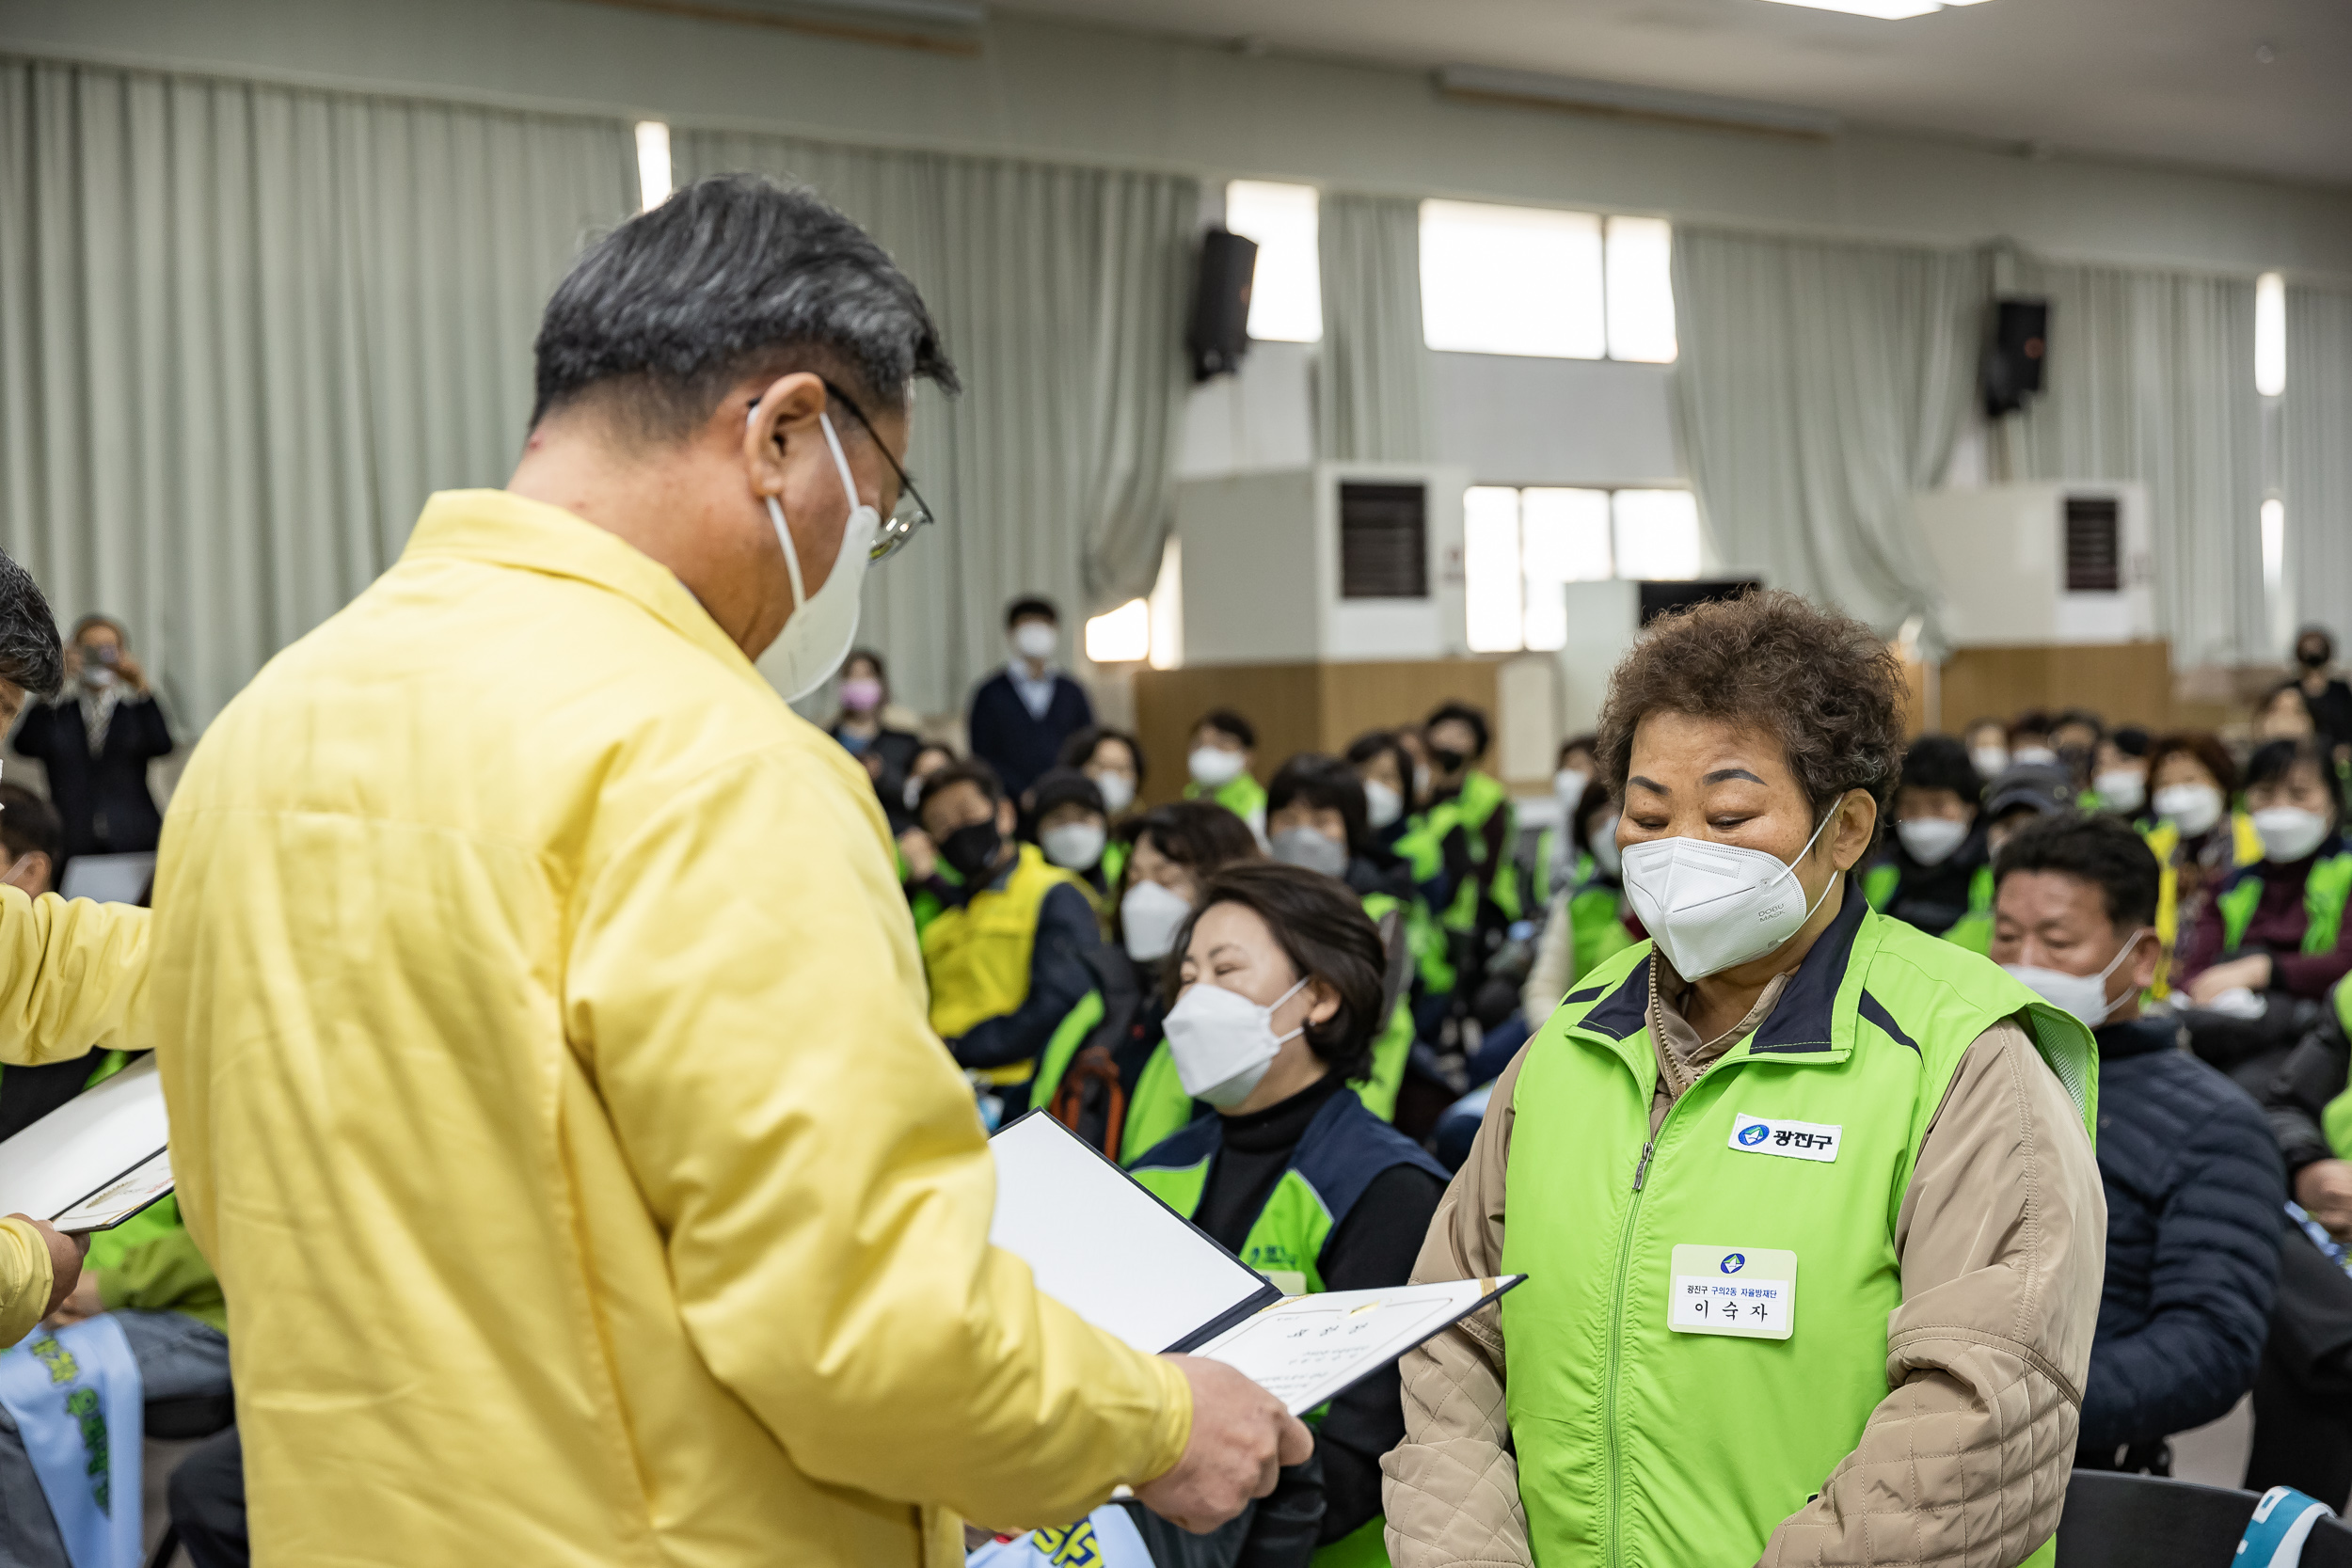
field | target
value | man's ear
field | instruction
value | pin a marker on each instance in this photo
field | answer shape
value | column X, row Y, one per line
column 784, row 412
column 2146, row 951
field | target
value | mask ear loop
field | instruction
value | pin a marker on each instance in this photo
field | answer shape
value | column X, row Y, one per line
column 2107, row 1008
column 1278, row 1002
column 1834, row 874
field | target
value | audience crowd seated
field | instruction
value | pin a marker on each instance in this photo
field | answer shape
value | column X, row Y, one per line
column 1231, row 994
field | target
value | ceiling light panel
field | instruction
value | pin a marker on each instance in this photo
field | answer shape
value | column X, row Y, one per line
column 1885, row 11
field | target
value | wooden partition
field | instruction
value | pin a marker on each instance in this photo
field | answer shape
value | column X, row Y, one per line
column 2124, row 683
column 1296, row 707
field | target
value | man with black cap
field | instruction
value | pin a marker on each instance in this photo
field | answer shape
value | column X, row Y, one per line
column 2026, row 793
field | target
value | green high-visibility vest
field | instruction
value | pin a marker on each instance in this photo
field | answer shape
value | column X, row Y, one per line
column 2324, row 891
column 1640, row 1446
column 1242, row 794
column 1343, row 1150
column 1595, row 927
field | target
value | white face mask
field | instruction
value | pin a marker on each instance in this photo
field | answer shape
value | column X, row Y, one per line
column 1212, row 766
column 815, row 642
column 1311, row 848
column 2123, row 789
column 1931, row 839
column 2038, row 756
column 1119, row 791
column 1036, row 640
column 1989, row 760
column 1073, row 846
column 2193, row 808
column 2083, row 995
column 2289, row 832
column 1568, row 786
column 1712, row 907
column 1382, row 805
column 1149, row 918
column 1222, row 1042
column 1603, row 840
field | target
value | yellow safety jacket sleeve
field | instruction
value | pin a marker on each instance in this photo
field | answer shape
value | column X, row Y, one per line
column 758, row 1039
column 72, row 977
column 24, row 1279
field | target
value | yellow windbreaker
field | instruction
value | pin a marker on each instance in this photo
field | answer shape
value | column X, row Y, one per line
column 545, row 1041
column 74, row 981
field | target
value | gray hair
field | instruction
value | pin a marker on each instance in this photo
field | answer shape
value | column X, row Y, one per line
column 30, row 656
column 731, row 277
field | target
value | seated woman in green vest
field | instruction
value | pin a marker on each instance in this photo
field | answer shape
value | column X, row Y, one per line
column 1005, row 956
column 1937, row 871
column 1554, row 864
column 1275, row 1005
column 1224, row 745
column 2278, row 924
column 1105, row 1073
column 1114, row 760
column 1315, row 820
column 1804, row 1196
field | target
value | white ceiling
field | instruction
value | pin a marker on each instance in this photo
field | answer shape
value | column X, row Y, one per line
column 2178, row 81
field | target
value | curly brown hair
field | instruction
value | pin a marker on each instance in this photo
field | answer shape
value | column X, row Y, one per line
column 1825, row 683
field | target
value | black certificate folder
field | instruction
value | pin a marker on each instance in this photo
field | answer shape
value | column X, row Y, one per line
column 1104, row 1247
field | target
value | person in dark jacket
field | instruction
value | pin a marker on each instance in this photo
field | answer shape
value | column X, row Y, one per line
column 2194, row 1185
column 1022, row 714
column 1937, row 869
column 95, row 740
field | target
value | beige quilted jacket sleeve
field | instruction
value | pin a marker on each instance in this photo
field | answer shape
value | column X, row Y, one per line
column 1452, row 1488
column 2003, row 1239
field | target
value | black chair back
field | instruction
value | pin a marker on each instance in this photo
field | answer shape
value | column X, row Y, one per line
column 2120, row 1521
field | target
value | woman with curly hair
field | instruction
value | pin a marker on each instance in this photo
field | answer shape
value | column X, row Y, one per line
column 1800, row 1196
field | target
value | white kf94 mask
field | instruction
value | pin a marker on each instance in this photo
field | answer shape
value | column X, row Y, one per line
column 1222, row 1042
column 2083, row 995
column 1712, row 907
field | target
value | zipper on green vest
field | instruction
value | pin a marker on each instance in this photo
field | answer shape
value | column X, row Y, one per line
column 1617, row 1335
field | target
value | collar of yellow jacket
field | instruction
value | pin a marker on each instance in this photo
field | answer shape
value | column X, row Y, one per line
column 507, row 529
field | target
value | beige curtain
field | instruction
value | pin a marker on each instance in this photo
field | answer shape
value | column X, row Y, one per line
column 2316, row 483
column 1374, row 401
column 1062, row 293
column 245, row 329
column 2151, row 377
column 1821, row 385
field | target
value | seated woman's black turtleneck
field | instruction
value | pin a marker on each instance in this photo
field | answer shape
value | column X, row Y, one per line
column 1374, row 1246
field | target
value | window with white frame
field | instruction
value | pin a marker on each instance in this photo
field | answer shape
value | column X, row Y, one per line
column 1534, row 280
column 1286, row 293
column 1519, row 546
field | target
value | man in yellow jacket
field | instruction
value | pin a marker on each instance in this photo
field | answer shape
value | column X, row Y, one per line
column 542, row 1026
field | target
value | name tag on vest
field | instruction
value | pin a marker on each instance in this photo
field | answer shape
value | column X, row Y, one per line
column 1749, row 1291
column 1794, row 1140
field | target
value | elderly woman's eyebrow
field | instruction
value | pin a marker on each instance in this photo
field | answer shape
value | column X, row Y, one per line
column 1722, row 775
column 1651, row 784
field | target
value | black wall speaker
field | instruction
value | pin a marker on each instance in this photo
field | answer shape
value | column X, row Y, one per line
column 2013, row 356
column 1218, row 335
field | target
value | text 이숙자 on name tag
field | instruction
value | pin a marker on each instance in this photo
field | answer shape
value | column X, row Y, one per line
column 1747, row 1291
column 1794, row 1140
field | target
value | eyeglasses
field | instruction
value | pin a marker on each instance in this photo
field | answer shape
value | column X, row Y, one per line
column 912, row 512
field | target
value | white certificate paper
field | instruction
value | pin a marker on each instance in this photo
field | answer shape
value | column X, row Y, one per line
column 1305, row 1349
column 108, row 1206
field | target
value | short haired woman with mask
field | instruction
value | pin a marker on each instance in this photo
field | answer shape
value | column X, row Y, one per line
column 2201, row 835
column 1114, row 760
column 1274, row 1006
column 1797, row 1193
column 2278, row 924
column 1315, row 820
column 1105, row 1073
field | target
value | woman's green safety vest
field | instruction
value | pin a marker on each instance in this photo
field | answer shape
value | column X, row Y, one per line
column 1343, row 1150
column 1639, row 1443
column 2324, row 891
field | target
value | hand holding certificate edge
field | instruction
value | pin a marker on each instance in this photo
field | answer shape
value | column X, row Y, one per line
column 1241, row 1439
